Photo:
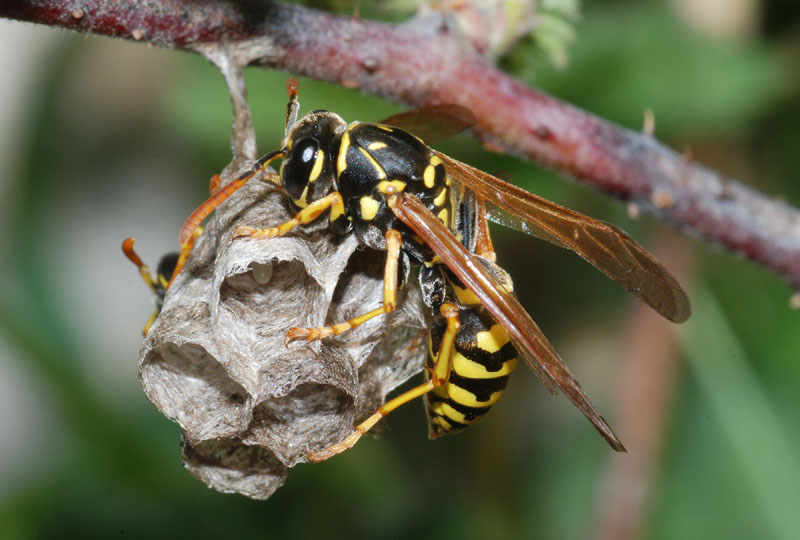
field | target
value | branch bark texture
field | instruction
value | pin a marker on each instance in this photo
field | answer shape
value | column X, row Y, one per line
column 427, row 61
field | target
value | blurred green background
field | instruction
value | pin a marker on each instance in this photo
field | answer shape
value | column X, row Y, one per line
column 102, row 139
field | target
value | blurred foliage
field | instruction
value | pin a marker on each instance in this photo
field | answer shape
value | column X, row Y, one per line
column 629, row 59
column 554, row 33
column 109, row 463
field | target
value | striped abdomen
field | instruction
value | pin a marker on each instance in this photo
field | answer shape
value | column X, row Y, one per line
column 482, row 358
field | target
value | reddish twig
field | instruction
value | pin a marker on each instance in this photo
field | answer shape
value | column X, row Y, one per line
column 425, row 62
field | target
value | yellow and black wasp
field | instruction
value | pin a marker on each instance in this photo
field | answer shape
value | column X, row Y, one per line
column 158, row 283
column 428, row 210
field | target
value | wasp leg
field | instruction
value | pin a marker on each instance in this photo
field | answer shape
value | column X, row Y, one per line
column 150, row 322
column 186, row 236
column 186, row 250
column 439, row 375
column 215, row 184
column 305, row 216
column 394, row 241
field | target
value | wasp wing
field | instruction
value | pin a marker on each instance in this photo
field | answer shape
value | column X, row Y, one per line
column 526, row 336
column 434, row 122
column 606, row 247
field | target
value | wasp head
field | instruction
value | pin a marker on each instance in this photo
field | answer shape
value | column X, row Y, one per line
column 309, row 166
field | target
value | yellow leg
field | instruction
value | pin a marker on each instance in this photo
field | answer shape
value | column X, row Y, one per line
column 394, row 242
column 305, row 216
column 150, row 322
column 439, row 375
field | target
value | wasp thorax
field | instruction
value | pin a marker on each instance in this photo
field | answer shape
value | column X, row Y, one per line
column 307, row 172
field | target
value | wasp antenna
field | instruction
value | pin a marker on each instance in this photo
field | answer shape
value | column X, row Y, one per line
column 202, row 211
column 292, row 87
column 214, row 184
column 144, row 270
column 294, row 105
column 130, row 253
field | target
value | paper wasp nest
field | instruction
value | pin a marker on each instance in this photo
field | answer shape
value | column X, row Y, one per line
column 215, row 360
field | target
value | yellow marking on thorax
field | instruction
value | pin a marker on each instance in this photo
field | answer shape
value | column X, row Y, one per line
column 341, row 160
column 429, row 176
column 473, row 370
column 444, row 215
column 384, row 127
column 440, row 199
column 375, row 164
column 317, row 166
column 465, row 397
column 436, row 260
column 493, row 339
column 465, row 295
column 369, row 207
column 377, row 145
column 387, row 187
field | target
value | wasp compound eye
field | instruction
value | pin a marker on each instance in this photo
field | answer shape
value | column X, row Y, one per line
column 298, row 166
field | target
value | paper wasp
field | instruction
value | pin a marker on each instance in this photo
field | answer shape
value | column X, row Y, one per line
column 428, row 210
column 158, row 283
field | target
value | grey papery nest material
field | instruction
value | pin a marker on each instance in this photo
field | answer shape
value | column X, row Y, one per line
column 215, row 360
